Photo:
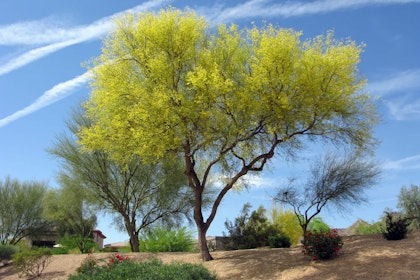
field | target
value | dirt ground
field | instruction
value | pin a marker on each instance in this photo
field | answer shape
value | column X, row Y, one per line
column 363, row 257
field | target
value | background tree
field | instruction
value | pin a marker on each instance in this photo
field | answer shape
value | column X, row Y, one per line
column 72, row 216
column 333, row 180
column 409, row 205
column 139, row 193
column 249, row 230
column 21, row 210
column 225, row 100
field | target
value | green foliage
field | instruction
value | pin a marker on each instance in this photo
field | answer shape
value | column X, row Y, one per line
column 249, row 230
column 84, row 244
column 409, row 204
column 59, row 251
column 150, row 270
column 110, row 250
column 396, row 226
column 21, row 210
column 31, row 263
column 322, row 246
column 318, row 225
column 366, row 228
column 279, row 241
column 6, row 253
column 164, row 240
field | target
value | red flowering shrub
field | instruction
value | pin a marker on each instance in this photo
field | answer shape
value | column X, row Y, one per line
column 117, row 259
column 322, row 246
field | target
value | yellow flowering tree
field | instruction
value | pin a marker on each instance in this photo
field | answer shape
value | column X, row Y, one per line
column 225, row 99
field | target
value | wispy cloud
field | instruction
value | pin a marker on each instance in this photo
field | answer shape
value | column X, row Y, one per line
column 46, row 32
column 399, row 92
column 266, row 8
column 398, row 82
column 408, row 163
column 52, row 95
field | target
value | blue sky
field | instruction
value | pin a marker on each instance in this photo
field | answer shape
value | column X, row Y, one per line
column 43, row 44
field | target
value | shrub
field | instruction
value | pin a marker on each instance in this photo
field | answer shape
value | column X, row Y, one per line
column 109, row 250
column 249, row 230
column 318, row 225
column 32, row 263
column 163, row 240
column 88, row 266
column 322, row 245
column 279, row 241
column 150, row 270
column 6, row 253
column 396, row 227
column 59, row 251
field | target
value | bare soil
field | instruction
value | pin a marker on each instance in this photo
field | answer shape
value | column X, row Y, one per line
column 363, row 257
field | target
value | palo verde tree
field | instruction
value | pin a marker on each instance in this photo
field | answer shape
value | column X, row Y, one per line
column 71, row 214
column 138, row 193
column 333, row 180
column 21, row 209
column 225, row 99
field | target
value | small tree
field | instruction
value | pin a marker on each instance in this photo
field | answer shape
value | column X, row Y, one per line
column 333, row 180
column 138, row 194
column 409, row 204
column 21, row 210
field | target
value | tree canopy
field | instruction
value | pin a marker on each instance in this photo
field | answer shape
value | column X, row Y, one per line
column 224, row 99
column 21, row 210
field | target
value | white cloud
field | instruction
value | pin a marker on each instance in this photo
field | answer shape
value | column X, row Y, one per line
column 46, row 32
column 398, row 82
column 412, row 162
column 404, row 109
column 399, row 92
column 33, row 55
column 52, row 95
column 264, row 8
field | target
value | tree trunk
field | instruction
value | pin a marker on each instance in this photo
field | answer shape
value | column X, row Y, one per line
column 134, row 237
column 134, row 243
column 202, row 242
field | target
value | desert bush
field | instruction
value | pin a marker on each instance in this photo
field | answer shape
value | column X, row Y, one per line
column 59, row 251
column 150, row 270
column 396, row 226
column 163, row 240
column 318, row 225
column 249, row 230
column 81, row 243
column 31, row 263
column 322, row 246
column 88, row 266
column 279, row 241
column 6, row 253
